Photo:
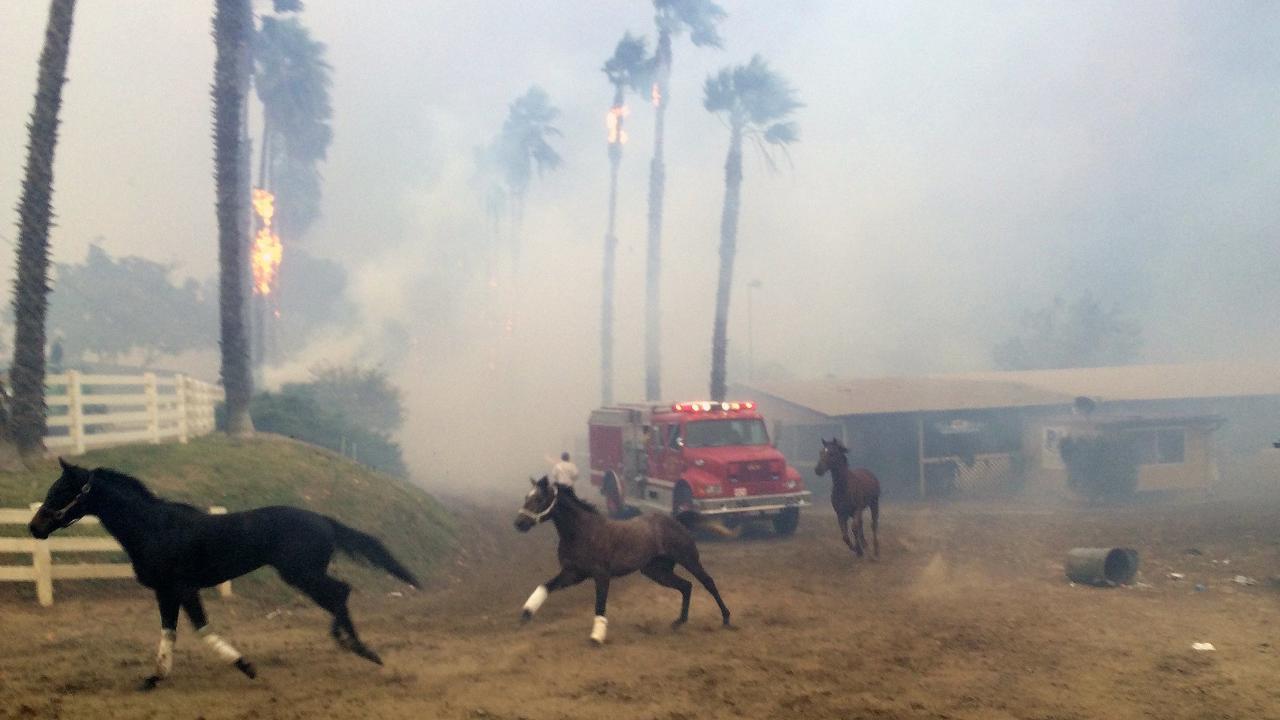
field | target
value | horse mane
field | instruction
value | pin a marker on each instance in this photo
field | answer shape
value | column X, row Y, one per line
column 575, row 500
column 125, row 482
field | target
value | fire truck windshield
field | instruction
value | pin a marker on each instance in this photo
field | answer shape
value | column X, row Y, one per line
column 724, row 433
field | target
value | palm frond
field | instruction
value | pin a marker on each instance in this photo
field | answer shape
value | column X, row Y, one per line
column 783, row 133
column 753, row 95
column 630, row 66
column 699, row 17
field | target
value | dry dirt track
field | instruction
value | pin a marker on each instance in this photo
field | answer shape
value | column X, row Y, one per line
column 966, row 616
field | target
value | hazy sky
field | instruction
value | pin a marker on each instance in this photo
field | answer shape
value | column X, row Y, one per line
column 959, row 162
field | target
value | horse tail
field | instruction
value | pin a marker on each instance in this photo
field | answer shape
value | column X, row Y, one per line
column 362, row 545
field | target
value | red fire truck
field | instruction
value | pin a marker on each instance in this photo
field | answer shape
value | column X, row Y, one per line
column 693, row 458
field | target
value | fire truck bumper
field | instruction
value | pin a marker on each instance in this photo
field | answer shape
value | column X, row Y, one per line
column 751, row 505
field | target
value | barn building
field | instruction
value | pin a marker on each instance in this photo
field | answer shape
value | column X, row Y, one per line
column 996, row 432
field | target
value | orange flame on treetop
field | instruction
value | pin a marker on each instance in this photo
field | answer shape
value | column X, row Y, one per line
column 613, row 121
column 657, row 95
column 267, row 251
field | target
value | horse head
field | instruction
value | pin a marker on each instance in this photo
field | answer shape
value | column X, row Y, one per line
column 538, row 504
column 66, row 502
column 833, row 454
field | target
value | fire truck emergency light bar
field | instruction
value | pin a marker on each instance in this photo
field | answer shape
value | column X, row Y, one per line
column 693, row 407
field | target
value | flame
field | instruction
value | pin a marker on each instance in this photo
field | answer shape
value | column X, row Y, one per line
column 267, row 251
column 657, row 95
column 613, row 121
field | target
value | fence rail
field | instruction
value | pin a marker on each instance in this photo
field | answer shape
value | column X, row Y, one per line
column 87, row 411
column 43, row 570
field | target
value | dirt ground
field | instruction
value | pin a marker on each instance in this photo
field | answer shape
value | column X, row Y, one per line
column 967, row 615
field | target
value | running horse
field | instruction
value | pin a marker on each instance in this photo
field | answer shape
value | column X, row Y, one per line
column 177, row 549
column 851, row 491
column 593, row 546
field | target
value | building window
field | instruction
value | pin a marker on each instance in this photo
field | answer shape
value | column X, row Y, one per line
column 1171, row 446
column 1159, row 447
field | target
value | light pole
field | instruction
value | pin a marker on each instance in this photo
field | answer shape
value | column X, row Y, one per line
column 751, row 343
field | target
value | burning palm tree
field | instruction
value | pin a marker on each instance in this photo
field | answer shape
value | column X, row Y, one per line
column 755, row 102
column 31, row 286
column 292, row 80
column 672, row 17
column 628, row 69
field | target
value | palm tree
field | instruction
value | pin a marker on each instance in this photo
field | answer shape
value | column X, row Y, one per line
column 755, row 102
column 31, row 286
column 523, row 148
column 672, row 17
column 232, row 35
column 628, row 69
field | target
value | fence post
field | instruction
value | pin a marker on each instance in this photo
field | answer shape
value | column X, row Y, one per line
column 153, row 409
column 42, row 565
column 180, row 398
column 75, row 411
column 224, row 589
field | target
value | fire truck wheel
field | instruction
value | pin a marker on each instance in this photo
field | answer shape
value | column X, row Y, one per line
column 786, row 522
column 613, row 497
column 682, row 505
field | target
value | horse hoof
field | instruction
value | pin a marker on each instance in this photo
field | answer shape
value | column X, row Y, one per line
column 247, row 668
column 526, row 616
column 676, row 625
column 149, row 684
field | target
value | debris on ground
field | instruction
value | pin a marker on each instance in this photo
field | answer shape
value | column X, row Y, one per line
column 1193, row 551
column 1177, row 576
column 1203, row 647
column 1244, row 580
column 1200, row 587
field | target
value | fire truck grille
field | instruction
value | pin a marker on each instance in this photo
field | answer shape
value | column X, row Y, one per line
column 753, row 472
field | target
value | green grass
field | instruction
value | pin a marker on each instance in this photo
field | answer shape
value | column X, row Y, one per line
column 270, row 470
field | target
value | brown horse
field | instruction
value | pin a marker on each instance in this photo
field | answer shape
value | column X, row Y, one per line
column 593, row 546
column 851, row 491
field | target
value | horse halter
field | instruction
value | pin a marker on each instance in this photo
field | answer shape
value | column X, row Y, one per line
column 80, row 496
column 540, row 516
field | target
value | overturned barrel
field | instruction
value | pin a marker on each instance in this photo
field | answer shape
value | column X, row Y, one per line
column 1102, row 566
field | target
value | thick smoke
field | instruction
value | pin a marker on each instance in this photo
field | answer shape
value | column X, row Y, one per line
column 958, row 164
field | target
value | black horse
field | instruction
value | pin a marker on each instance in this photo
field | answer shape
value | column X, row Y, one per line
column 176, row 550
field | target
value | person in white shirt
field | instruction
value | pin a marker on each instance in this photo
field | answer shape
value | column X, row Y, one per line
column 564, row 472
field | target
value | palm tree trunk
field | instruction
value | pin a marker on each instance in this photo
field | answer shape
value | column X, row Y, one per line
column 31, row 286
column 653, row 265
column 263, row 165
column 728, row 250
column 232, row 29
column 610, row 260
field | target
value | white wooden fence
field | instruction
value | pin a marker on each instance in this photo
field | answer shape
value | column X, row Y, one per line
column 87, row 411
column 43, row 570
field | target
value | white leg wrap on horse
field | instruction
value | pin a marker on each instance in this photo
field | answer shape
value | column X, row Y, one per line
column 535, row 600
column 220, row 646
column 598, row 629
column 164, row 654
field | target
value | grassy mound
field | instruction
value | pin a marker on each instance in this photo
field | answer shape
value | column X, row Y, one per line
column 271, row 470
